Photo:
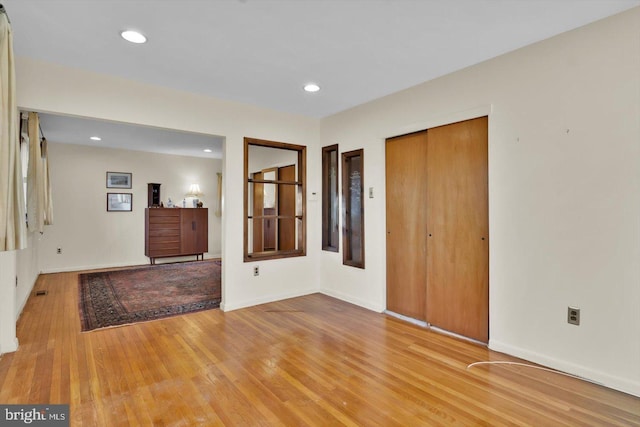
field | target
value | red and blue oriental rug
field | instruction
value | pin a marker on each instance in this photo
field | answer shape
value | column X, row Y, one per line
column 120, row 297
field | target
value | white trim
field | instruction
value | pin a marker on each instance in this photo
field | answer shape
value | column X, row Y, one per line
column 426, row 325
column 264, row 300
column 356, row 301
column 407, row 319
column 458, row 336
column 617, row 383
column 13, row 346
column 23, row 304
column 88, row 267
column 159, row 261
column 445, row 119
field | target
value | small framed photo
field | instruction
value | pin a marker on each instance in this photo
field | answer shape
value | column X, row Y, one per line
column 118, row 180
column 119, row 202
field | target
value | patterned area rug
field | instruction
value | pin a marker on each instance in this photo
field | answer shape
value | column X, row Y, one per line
column 119, row 297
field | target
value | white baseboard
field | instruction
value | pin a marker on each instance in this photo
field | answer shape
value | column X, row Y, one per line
column 23, row 303
column 224, row 306
column 88, row 267
column 353, row 300
column 10, row 346
column 617, row 383
column 159, row 261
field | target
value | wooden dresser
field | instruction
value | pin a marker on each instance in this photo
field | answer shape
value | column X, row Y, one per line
column 172, row 232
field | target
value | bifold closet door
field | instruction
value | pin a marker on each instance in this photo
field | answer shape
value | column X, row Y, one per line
column 458, row 228
column 406, row 192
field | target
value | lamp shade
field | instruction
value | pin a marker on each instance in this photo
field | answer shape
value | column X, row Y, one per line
column 194, row 191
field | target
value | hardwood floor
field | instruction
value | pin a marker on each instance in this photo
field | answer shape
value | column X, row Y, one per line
column 312, row 360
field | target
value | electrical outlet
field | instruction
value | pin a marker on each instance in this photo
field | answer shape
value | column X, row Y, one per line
column 573, row 316
column 256, row 270
column 59, row 251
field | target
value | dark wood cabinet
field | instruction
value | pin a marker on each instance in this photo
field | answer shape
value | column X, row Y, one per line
column 173, row 232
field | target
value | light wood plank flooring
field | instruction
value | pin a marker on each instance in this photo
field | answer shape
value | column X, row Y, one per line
column 312, row 360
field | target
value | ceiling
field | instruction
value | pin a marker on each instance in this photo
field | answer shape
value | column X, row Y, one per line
column 262, row 52
column 79, row 130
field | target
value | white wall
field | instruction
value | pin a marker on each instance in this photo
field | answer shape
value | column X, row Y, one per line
column 89, row 236
column 564, row 194
column 27, row 270
column 8, row 340
column 18, row 274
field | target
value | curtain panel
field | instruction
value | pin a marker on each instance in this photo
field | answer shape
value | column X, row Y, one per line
column 13, row 234
column 39, row 205
column 46, row 183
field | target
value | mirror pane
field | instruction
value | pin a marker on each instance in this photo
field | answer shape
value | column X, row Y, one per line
column 266, row 158
column 274, row 199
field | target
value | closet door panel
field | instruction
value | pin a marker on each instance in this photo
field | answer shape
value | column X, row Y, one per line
column 406, row 192
column 457, row 244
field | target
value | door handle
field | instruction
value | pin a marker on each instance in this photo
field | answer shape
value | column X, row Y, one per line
column 193, row 225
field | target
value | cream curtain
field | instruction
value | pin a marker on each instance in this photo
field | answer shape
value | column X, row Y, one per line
column 39, row 205
column 13, row 233
column 46, row 183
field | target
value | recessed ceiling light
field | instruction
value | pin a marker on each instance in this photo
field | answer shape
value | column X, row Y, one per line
column 208, row 150
column 133, row 36
column 95, row 138
column 311, row 87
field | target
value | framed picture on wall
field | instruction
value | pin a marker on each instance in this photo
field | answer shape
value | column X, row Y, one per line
column 118, row 180
column 119, row 202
